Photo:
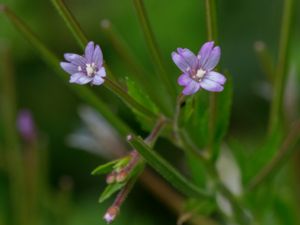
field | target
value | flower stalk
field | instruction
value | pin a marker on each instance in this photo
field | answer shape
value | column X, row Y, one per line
column 153, row 47
column 71, row 22
column 276, row 111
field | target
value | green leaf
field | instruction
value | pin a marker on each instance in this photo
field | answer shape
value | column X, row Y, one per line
column 203, row 207
column 105, row 168
column 166, row 169
column 222, row 117
column 263, row 155
column 195, row 119
column 141, row 97
column 224, row 109
column 129, row 100
column 110, row 190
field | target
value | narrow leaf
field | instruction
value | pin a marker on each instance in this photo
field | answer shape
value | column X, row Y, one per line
column 105, row 168
column 110, row 190
column 166, row 169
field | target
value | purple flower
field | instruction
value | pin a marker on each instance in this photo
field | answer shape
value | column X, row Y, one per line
column 198, row 70
column 26, row 126
column 86, row 68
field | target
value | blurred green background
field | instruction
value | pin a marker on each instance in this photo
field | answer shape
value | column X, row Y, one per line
column 176, row 23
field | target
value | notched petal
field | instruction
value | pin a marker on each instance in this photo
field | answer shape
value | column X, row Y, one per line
column 204, row 52
column 69, row 67
column 184, row 79
column 89, row 51
column 213, row 59
column 191, row 88
column 210, row 85
column 217, row 77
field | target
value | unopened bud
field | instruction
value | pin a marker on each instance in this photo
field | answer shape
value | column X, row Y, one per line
column 121, row 176
column 129, row 137
column 111, row 214
column 111, row 178
column 26, row 126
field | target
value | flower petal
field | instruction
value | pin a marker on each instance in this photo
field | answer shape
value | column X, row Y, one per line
column 80, row 78
column 77, row 60
column 180, row 62
column 191, row 88
column 69, row 67
column 210, row 85
column 188, row 56
column 98, row 56
column 216, row 77
column 184, row 79
column 98, row 78
column 89, row 51
column 204, row 52
column 213, row 59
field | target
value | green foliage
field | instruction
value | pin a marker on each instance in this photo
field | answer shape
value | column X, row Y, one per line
column 166, row 170
column 105, row 168
column 110, row 190
column 141, row 97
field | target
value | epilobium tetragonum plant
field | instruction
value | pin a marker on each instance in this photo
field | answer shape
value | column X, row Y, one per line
column 196, row 124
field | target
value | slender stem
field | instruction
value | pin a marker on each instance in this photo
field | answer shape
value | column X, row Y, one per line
column 152, row 137
column 82, row 91
column 122, row 50
column 211, row 20
column 211, row 24
column 281, row 69
column 153, row 47
column 120, row 92
column 181, row 138
column 138, row 73
column 281, row 156
column 13, row 155
column 71, row 22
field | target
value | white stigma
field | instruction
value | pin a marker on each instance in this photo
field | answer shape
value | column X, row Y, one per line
column 79, row 68
column 90, row 69
column 200, row 74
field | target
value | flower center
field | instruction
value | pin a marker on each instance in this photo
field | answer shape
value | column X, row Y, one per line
column 91, row 69
column 199, row 75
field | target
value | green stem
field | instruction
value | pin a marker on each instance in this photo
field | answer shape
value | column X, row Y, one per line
column 211, row 20
column 153, row 47
column 121, row 93
column 281, row 69
column 286, row 150
column 71, row 22
column 13, row 153
column 82, row 91
column 138, row 73
column 181, row 137
column 211, row 24
column 166, row 169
